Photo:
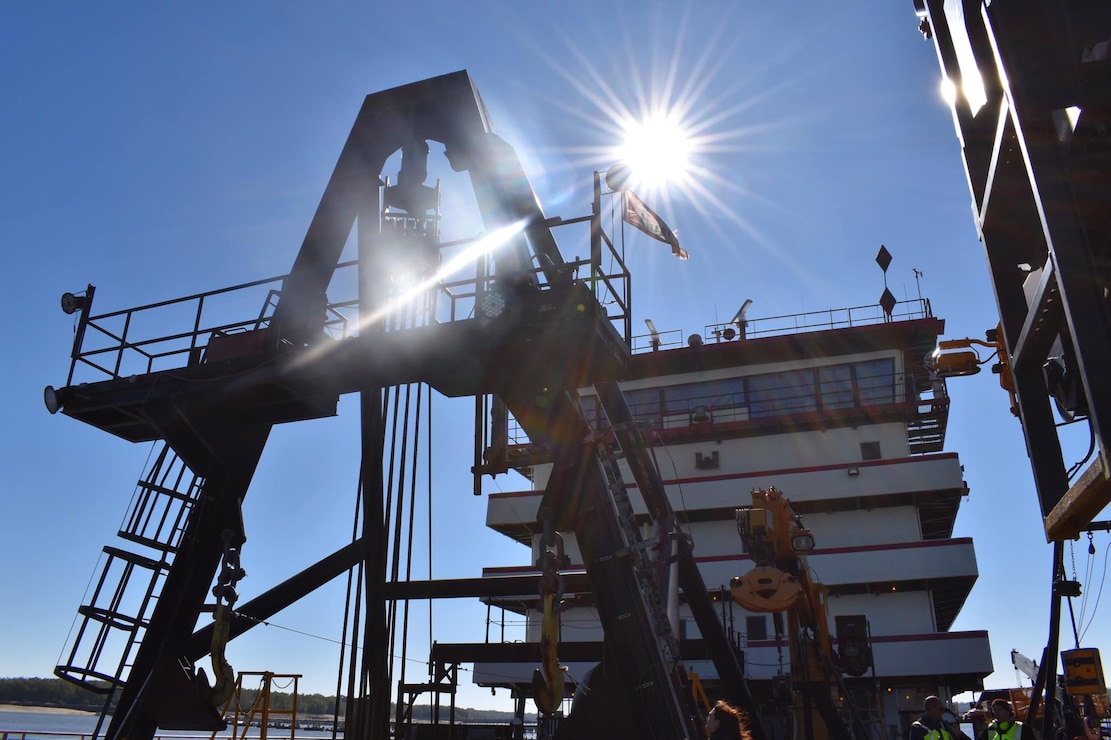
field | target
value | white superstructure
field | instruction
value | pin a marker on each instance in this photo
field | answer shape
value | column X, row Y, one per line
column 846, row 421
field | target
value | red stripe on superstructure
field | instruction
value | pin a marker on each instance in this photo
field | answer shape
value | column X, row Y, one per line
column 927, row 637
column 854, row 548
column 744, row 556
column 758, row 473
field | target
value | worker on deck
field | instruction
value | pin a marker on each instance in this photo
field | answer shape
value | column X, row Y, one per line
column 1005, row 726
column 931, row 726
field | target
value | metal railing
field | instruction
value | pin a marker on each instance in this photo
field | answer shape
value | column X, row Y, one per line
column 137, row 340
column 797, row 323
column 176, row 333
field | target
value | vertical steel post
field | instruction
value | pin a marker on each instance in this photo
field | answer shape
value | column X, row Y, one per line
column 374, row 721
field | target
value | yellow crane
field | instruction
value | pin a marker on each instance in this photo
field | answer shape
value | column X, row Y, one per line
column 781, row 583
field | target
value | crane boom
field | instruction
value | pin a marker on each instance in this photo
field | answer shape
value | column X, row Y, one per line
column 1027, row 666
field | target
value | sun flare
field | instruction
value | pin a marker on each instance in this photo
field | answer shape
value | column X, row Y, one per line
column 657, row 149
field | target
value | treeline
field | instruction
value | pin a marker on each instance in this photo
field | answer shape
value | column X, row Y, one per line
column 48, row 692
column 306, row 703
column 54, row 692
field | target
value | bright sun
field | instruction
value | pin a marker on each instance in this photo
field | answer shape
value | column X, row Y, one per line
column 657, row 149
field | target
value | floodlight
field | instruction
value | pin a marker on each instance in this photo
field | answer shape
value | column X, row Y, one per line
column 740, row 317
column 73, row 303
column 740, row 320
column 50, row 398
column 655, row 340
column 802, row 542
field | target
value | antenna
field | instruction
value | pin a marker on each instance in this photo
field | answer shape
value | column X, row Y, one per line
column 655, row 340
column 740, row 320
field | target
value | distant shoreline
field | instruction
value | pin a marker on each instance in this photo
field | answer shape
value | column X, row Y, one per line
column 32, row 709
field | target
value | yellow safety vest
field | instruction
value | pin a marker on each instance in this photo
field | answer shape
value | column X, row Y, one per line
column 938, row 734
column 1014, row 732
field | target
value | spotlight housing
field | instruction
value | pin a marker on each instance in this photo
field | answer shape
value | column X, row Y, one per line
column 72, row 303
column 50, row 398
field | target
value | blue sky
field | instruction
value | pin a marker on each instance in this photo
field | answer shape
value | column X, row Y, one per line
column 159, row 150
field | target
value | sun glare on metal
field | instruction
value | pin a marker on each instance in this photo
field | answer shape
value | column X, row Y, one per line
column 657, row 150
column 478, row 250
column 948, row 91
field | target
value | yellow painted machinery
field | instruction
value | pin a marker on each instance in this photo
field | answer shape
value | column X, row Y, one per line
column 781, row 584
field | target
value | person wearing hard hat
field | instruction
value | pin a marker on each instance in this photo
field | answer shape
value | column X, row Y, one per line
column 1005, row 726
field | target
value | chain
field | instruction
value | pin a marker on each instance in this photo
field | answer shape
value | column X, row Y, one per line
column 230, row 573
column 551, row 559
column 230, row 570
column 1072, row 556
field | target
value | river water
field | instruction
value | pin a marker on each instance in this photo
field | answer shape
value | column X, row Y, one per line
column 45, row 724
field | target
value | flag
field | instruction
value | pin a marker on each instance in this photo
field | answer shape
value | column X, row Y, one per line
column 643, row 218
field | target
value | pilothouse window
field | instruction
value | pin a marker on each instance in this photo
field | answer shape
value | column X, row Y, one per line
column 715, row 394
column 778, row 394
column 836, row 387
column 851, row 385
column 875, row 381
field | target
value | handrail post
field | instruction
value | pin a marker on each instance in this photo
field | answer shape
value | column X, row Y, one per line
column 197, row 325
column 123, row 345
column 79, row 335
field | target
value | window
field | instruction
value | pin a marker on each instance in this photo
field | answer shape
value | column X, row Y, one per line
column 777, row 394
column 756, row 628
column 726, row 393
column 828, row 388
column 644, row 405
column 875, row 381
column 715, row 394
column 870, row 451
column 835, row 384
column 680, row 399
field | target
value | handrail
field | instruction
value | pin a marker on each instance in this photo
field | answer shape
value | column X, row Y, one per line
column 143, row 339
column 796, row 323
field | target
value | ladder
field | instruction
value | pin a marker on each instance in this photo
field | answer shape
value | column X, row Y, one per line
column 116, row 614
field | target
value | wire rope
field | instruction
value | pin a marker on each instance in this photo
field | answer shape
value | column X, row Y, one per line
column 395, row 555
column 347, row 612
column 1089, row 573
column 412, row 525
column 400, row 465
column 358, row 680
column 659, row 442
column 1099, row 593
column 428, row 476
column 1072, row 471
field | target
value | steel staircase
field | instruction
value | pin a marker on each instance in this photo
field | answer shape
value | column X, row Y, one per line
column 113, row 621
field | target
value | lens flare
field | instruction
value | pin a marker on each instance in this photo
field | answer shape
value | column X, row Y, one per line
column 657, row 150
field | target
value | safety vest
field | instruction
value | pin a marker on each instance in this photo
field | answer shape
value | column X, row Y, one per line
column 1014, row 732
column 938, row 734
